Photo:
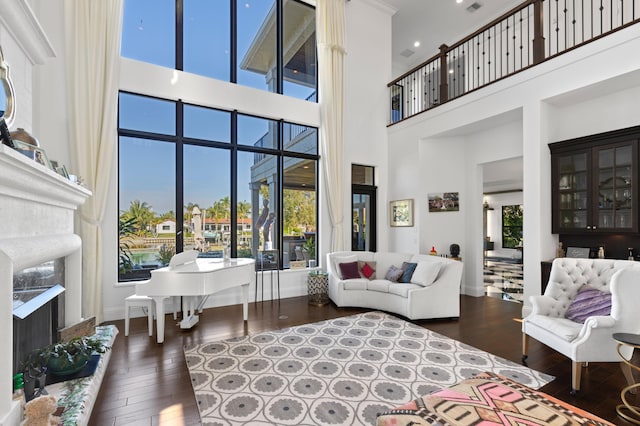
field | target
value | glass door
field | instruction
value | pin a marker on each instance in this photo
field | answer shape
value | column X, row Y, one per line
column 573, row 191
column 363, row 224
column 615, row 188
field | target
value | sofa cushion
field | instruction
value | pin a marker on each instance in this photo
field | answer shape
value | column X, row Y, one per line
column 587, row 303
column 337, row 260
column 426, row 273
column 407, row 272
column 401, row 289
column 561, row 327
column 349, row 270
column 393, row 274
column 367, row 269
column 357, row 284
column 379, row 285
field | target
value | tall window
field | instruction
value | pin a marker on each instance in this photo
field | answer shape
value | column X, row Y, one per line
column 512, row 226
column 199, row 178
column 265, row 44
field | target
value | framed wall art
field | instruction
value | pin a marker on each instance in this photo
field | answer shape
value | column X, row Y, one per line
column 444, row 202
column 401, row 213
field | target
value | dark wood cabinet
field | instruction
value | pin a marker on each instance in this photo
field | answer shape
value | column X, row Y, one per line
column 595, row 183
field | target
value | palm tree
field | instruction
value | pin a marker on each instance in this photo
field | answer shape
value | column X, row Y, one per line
column 244, row 209
column 221, row 210
column 126, row 228
column 141, row 213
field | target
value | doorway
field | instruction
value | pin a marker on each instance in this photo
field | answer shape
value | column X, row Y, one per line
column 363, row 208
column 363, row 225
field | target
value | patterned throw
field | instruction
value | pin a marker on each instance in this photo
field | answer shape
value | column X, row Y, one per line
column 343, row 371
column 488, row 399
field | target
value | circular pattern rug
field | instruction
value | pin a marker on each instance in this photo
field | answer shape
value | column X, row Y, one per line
column 337, row 372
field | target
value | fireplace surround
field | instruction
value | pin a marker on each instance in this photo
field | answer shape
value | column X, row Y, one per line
column 36, row 226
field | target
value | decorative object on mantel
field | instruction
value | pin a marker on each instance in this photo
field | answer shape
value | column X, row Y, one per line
column 7, row 100
column 5, row 135
column 560, row 251
column 34, row 152
column 21, row 134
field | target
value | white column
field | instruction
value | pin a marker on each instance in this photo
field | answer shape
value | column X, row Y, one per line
column 539, row 243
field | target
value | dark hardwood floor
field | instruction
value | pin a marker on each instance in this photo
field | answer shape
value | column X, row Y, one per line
column 148, row 383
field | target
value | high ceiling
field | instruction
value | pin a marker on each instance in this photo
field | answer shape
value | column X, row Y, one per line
column 434, row 22
column 437, row 22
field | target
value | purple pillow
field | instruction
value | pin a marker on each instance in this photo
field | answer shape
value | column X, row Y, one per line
column 394, row 274
column 589, row 302
column 349, row 270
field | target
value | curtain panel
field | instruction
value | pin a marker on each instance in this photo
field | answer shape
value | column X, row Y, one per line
column 330, row 31
column 92, row 41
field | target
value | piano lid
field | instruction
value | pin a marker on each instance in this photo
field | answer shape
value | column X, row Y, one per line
column 183, row 258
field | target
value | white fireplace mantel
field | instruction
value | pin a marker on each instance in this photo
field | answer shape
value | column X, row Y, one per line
column 37, row 209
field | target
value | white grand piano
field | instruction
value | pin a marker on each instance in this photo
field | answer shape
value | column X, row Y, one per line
column 195, row 279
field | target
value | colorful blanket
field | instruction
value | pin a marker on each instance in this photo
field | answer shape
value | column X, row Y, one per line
column 488, row 399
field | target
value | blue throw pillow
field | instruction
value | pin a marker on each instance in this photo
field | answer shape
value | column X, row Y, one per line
column 407, row 272
column 587, row 303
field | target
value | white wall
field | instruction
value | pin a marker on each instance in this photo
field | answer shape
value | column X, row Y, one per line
column 367, row 72
column 591, row 89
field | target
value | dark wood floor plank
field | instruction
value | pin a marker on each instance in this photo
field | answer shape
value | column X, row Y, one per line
column 148, row 383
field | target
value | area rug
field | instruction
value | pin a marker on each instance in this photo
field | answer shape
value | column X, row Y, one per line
column 342, row 371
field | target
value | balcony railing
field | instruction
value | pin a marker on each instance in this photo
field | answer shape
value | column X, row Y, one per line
column 533, row 32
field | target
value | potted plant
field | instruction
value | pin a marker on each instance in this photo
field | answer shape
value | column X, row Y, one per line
column 34, row 373
column 65, row 358
column 309, row 248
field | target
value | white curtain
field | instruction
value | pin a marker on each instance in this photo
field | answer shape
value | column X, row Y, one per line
column 93, row 29
column 330, row 34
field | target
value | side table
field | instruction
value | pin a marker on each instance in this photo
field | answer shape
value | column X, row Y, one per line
column 625, row 410
column 318, row 288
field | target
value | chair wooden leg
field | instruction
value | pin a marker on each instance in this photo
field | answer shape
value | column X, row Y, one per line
column 576, row 371
column 525, row 346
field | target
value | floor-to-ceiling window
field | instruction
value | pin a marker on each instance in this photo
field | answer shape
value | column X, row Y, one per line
column 264, row 44
column 195, row 177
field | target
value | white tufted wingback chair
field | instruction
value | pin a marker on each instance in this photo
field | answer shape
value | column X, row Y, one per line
column 591, row 341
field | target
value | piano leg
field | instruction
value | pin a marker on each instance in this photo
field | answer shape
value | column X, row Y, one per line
column 245, row 300
column 159, row 302
column 189, row 317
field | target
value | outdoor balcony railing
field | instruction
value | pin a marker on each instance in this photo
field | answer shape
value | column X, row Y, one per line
column 533, row 32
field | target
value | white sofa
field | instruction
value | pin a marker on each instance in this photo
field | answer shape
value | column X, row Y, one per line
column 592, row 340
column 437, row 299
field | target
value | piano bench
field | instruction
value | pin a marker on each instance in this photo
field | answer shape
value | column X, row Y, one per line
column 138, row 301
column 146, row 302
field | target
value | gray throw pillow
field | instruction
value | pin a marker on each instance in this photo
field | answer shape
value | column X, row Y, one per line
column 394, row 274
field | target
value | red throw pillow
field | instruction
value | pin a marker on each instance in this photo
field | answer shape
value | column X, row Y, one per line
column 367, row 271
column 349, row 270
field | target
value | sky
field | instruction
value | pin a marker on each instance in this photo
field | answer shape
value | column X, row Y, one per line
column 148, row 35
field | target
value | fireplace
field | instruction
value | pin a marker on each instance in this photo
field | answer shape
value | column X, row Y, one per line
column 40, row 252
column 38, row 308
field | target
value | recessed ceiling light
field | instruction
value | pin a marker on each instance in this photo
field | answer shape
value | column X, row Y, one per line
column 416, row 44
column 459, row 1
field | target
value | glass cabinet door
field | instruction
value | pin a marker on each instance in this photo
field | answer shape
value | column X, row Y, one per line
column 573, row 191
column 615, row 188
